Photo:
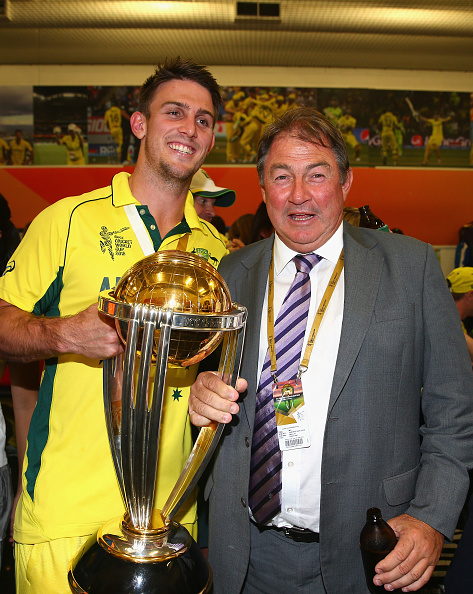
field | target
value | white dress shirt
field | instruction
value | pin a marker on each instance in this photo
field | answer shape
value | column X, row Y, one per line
column 301, row 468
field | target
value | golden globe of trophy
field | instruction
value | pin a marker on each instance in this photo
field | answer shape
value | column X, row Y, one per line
column 173, row 307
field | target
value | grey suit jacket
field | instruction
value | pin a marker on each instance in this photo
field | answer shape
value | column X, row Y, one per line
column 401, row 338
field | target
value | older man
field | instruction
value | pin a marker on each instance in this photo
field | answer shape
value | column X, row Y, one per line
column 48, row 310
column 359, row 325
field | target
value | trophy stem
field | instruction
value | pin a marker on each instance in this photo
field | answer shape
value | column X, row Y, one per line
column 141, row 420
column 208, row 437
column 112, row 368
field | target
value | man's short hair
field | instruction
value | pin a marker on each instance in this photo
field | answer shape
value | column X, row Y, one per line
column 308, row 125
column 177, row 69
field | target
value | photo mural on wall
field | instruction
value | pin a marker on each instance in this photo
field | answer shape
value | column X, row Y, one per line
column 16, row 125
column 90, row 125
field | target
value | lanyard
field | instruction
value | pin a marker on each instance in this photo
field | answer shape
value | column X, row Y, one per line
column 142, row 235
column 317, row 320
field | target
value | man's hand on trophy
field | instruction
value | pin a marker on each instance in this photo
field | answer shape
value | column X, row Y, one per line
column 91, row 334
column 212, row 400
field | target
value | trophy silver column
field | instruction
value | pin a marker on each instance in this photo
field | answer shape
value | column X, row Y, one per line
column 169, row 307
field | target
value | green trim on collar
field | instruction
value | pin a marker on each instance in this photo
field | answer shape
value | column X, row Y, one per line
column 152, row 227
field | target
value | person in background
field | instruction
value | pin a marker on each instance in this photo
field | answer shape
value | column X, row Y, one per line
column 333, row 112
column 460, row 282
column 113, row 121
column 459, row 577
column 262, row 226
column 21, row 151
column 128, row 107
column 436, row 138
column 231, row 109
column 4, row 150
column 24, row 382
column 239, row 232
column 74, row 249
column 6, row 490
column 388, row 124
column 291, row 102
column 9, row 236
column 207, row 195
column 286, row 514
column 220, row 225
column 346, row 123
column 74, row 144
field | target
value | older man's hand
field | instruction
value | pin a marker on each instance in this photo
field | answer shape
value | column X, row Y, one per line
column 411, row 563
column 212, row 400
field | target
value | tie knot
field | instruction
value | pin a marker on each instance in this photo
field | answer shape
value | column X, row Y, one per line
column 305, row 262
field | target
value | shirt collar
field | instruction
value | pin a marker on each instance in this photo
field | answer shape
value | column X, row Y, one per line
column 121, row 193
column 191, row 215
column 121, row 196
column 330, row 250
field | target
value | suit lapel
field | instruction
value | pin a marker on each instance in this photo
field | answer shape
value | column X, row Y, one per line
column 363, row 268
column 253, row 289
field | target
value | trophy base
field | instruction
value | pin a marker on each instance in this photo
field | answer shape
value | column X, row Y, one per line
column 121, row 561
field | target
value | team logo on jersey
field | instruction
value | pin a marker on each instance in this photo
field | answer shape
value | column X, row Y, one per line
column 9, row 267
column 177, row 394
column 113, row 242
column 202, row 252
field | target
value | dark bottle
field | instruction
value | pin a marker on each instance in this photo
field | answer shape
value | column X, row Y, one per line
column 377, row 539
column 369, row 220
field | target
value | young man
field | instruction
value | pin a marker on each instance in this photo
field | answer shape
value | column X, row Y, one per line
column 286, row 514
column 73, row 250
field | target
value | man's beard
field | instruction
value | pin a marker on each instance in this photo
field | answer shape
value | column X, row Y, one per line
column 172, row 174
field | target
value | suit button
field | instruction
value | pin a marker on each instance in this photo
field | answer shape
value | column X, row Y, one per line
column 243, row 501
column 247, row 442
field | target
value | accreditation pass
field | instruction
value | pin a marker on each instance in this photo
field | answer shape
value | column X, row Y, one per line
column 291, row 420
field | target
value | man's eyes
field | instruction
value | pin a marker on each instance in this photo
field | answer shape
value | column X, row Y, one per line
column 284, row 176
column 203, row 122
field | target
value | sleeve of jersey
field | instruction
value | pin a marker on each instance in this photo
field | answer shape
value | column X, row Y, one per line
column 33, row 276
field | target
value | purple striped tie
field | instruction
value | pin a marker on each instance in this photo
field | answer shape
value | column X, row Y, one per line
column 289, row 330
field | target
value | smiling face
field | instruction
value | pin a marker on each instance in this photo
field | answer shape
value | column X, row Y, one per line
column 303, row 193
column 178, row 134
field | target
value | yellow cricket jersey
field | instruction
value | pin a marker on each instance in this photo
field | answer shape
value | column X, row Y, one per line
column 230, row 108
column 75, row 151
column 346, row 123
column 262, row 112
column 388, row 122
column 113, row 118
column 73, row 250
column 279, row 110
column 18, row 151
column 3, row 151
column 437, row 130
